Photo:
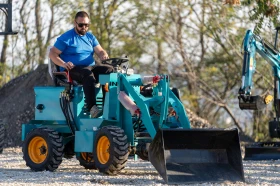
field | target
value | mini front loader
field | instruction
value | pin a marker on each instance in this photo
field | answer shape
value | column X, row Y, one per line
column 141, row 116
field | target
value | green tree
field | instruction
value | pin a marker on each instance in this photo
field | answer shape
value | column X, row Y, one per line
column 260, row 10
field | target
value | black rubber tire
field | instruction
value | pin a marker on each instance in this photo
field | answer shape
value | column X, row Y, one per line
column 2, row 137
column 69, row 150
column 118, row 150
column 143, row 157
column 86, row 160
column 54, row 149
column 142, row 154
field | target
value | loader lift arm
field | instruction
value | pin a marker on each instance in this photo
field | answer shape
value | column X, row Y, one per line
column 253, row 44
column 181, row 154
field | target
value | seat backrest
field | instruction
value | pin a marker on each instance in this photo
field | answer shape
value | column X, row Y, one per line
column 59, row 78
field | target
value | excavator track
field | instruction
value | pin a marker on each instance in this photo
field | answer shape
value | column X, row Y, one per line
column 262, row 151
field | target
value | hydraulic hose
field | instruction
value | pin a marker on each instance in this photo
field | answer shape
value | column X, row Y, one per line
column 64, row 107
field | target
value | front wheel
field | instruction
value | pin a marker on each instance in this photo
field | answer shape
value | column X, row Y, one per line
column 111, row 150
column 43, row 149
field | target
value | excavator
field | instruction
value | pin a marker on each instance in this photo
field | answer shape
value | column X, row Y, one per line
column 253, row 44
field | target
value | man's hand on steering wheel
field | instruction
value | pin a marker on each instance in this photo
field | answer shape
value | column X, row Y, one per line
column 114, row 61
column 104, row 57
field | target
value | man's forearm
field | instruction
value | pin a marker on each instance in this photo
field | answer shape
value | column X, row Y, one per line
column 103, row 55
column 56, row 59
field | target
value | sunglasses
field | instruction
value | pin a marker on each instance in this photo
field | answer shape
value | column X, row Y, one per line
column 82, row 24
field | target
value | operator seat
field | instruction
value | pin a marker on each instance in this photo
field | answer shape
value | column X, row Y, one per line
column 59, row 78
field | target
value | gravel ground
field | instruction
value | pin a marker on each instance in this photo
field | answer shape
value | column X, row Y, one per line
column 13, row 171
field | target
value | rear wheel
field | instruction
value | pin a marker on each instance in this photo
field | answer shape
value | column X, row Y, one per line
column 43, row 149
column 111, row 150
column 2, row 137
column 86, row 160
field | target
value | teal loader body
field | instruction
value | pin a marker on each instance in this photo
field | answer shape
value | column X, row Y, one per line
column 158, row 130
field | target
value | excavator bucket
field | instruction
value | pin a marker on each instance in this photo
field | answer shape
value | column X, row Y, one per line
column 254, row 103
column 197, row 155
column 262, row 151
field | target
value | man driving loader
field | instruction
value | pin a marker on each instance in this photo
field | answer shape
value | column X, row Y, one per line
column 73, row 51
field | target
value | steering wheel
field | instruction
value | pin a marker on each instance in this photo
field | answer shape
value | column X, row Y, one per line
column 114, row 61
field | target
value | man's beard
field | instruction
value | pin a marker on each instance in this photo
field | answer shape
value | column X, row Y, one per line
column 81, row 32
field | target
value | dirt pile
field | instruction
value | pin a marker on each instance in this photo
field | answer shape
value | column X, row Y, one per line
column 17, row 104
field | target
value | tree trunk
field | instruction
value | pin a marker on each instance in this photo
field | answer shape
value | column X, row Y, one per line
column 4, row 50
column 3, row 56
column 38, row 22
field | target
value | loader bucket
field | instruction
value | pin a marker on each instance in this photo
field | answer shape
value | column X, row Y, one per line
column 197, row 155
column 262, row 151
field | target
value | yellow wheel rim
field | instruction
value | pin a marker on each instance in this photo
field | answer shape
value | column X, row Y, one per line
column 103, row 146
column 38, row 149
column 87, row 156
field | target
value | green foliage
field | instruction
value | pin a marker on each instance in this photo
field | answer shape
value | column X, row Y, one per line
column 260, row 125
column 3, row 79
column 263, row 9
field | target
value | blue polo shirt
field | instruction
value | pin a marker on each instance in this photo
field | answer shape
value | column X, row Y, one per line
column 77, row 49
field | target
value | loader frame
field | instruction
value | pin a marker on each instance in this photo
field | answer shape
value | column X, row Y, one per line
column 62, row 123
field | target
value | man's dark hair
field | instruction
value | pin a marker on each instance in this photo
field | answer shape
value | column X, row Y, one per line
column 81, row 14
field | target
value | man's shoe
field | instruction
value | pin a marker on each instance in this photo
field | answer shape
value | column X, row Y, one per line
column 95, row 112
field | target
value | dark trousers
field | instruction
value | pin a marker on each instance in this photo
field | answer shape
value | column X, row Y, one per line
column 88, row 76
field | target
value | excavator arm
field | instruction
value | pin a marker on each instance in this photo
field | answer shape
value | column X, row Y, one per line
column 253, row 44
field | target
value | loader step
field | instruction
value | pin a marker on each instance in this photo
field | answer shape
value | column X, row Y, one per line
column 262, row 151
column 142, row 135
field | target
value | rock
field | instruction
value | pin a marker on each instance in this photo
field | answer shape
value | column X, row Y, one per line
column 17, row 102
column 196, row 121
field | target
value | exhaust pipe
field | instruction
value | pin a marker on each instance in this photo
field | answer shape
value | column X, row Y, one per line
column 197, row 155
